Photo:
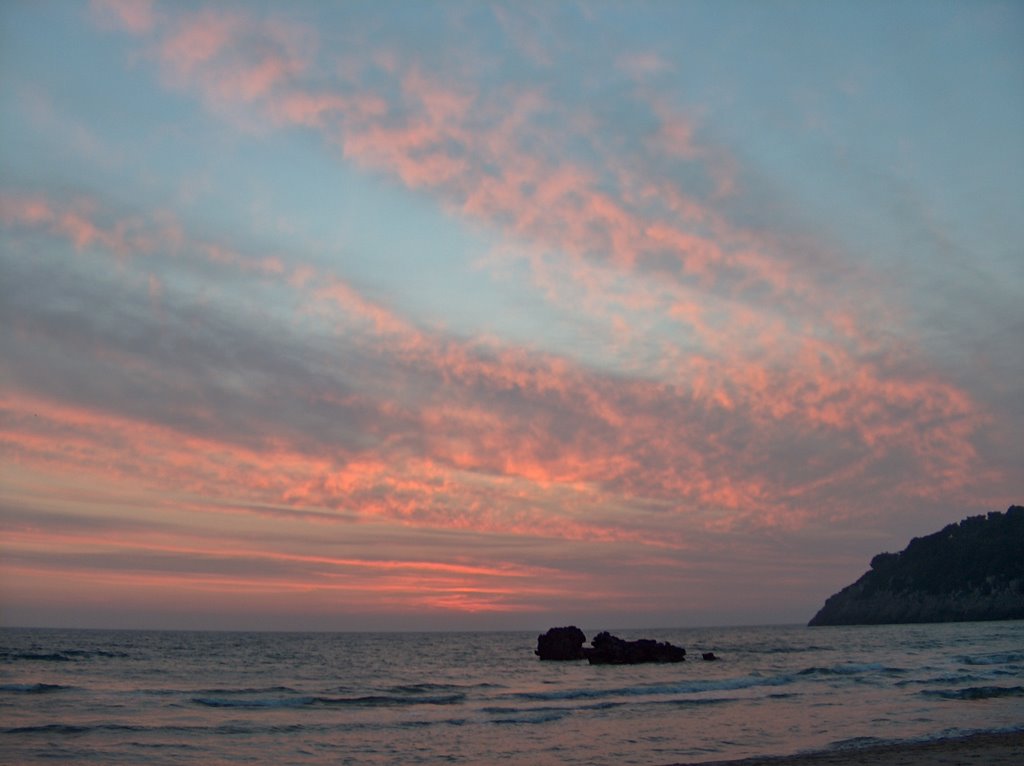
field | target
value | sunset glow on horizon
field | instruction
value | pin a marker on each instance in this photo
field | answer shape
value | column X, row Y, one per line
column 462, row 315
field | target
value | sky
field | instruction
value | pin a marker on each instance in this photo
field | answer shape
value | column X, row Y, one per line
column 468, row 315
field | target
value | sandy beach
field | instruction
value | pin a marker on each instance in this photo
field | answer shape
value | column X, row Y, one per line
column 1003, row 749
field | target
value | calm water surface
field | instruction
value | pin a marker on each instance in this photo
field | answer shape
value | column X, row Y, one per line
column 469, row 698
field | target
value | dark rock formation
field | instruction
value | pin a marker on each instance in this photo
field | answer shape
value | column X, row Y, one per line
column 973, row 570
column 708, row 657
column 561, row 644
column 567, row 644
column 611, row 650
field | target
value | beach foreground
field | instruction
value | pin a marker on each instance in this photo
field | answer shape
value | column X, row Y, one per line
column 994, row 749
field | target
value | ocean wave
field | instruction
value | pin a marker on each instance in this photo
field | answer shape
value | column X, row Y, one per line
column 855, row 743
column 427, row 688
column 1003, row 658
column 688, row 702
column 530, row 710
column 531, row 719
column 793, row 649
column 512, row 710
column 419, row 724
column 268, row 702
column 251, row 728
column 214, row 691
column 683, row 687
column 851, row 669
column 171, row 746
column 961, row 678
column 220, row 692
column 49, row 728
column 68, row 729
column 975, row 692
column 373, row 700
column 61, row 655
column 527, row 715
column 703, row 686
column 34, row 656
column 386, row 700
column 34, row 688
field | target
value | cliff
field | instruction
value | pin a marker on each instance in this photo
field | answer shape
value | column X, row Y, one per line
column 973, row 570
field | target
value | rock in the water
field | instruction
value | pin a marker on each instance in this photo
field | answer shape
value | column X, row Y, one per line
column 708, row 656
column 561, row 644
column 611, row 650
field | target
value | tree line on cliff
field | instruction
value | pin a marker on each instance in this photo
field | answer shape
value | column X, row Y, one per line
column 970, row 570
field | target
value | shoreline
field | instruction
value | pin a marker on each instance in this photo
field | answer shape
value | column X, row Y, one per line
column 1002, row 748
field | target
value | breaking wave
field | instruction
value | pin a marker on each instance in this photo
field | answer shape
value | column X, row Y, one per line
column 975, row 692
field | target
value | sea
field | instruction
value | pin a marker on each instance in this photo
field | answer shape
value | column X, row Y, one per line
column 170, row 697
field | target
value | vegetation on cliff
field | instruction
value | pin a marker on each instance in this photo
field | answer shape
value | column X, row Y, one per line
column 972, row 570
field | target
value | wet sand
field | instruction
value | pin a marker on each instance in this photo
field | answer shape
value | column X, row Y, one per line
column 1003, row 749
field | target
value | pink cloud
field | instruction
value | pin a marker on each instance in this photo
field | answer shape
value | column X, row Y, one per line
column 441, row 135
column 699, row 256
column 414, row 147
column 25, row 210
column 81, row 223
column 255, row 81
column 73, row 221
column 526, row 29
column 198, row 39
column 789, row 389
column 675, row 137
column 642, row 65
column 136, row 16
column 234, row 59
column 313, row 110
